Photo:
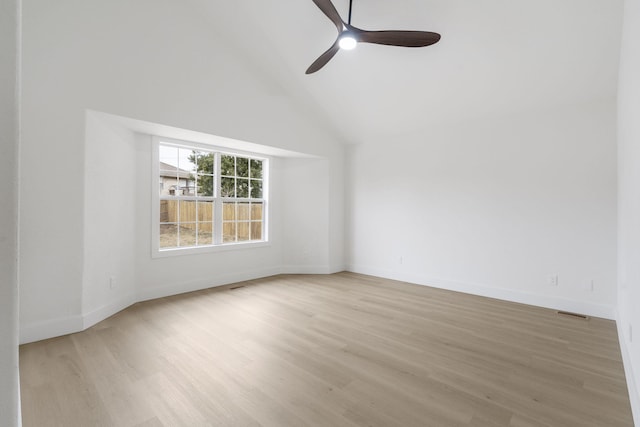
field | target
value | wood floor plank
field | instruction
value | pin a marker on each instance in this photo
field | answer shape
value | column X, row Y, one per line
column 329, row 350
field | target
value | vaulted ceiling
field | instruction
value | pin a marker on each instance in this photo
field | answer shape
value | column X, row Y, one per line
column 495, row 56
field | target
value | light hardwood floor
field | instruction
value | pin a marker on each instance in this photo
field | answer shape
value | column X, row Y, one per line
column 337, row 350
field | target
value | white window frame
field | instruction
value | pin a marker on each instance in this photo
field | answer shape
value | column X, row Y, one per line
column 218, row 245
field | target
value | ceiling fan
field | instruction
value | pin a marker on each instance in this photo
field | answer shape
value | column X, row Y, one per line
column 349, row 36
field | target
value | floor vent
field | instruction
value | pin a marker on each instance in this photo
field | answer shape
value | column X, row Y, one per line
column 236, row 287
column 576, row 315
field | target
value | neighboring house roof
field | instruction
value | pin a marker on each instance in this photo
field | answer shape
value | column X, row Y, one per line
column 170, row 171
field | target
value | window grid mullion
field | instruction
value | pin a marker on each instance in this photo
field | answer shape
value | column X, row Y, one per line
column 178, row 223
column 197, row 230
column 217, row 205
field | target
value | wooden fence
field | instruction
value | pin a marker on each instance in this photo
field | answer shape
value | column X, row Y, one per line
column 189, row 214
column 191, row 211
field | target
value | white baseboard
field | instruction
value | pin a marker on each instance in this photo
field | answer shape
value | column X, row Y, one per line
column 19, row 405
column 555, row 303
column 37, row 331
column 62, row 326
column 67, row 325
column 98, row 315
column 337, row 268
column 308, row 269
column 634, row 393
column 198, row 285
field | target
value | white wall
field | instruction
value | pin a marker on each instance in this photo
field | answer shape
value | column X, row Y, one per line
column 629, row 200
column 159, row 62
column 9, row 137
column 494, row 207
column 111, row 192
column 305, row 214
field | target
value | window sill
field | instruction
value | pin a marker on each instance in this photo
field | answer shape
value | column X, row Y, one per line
column 164, row 253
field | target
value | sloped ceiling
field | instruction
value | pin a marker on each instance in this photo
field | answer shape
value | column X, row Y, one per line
column 495, row 56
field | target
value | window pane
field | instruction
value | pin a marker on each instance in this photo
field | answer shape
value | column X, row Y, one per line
column 256, row 231
column 256, row 168
column 205, row 227
column 205, row 211
column 168, row 211
column 167, row 185
column 204, row 162
column 243, row 211
column 256, row 189
column 168, row 169
column 187, row 235
column 187, row 211
column 243, row 231
column 242, row 188
column 205, row 224
column 227, row 187
column 168, row 157
column 186, row 162
column 242, row 167
column 189, row 188
column 228, row 232
column 164, row 211
column 227, row 165
column 168, row 236
column 205, row 185
column 256, row 211
column 205, row 234
column 229, row 211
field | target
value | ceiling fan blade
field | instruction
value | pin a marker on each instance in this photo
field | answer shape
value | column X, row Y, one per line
column 323, row 59
column 397, row 38
column 330, row 10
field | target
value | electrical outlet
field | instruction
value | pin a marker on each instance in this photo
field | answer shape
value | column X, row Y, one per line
column 400, row 260
column 553, row 280
column 112, row 282
column 592, row 286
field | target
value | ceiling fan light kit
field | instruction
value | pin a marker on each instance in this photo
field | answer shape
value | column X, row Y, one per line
column 347, row 41
column 349, row 36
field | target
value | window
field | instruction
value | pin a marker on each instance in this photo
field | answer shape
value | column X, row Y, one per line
column 241, row 191
column 207, row 197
